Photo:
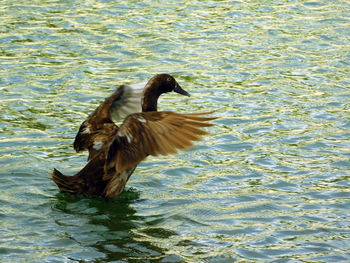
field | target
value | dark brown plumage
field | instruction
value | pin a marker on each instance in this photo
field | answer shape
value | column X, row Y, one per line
column 114, row 152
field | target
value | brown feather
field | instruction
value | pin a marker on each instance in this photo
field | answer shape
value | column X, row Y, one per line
column 88, row 181
column 190, row 135
column 197, row 123
column 150, row 139
column 175, row 141
column 194, row 130
column 182, row 137
column 117, row 184
column 154, row 133
column 163, row 146
column 167, row 147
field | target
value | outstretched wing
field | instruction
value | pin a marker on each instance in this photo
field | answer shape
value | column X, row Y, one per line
column 98, row 130
column 154, row 133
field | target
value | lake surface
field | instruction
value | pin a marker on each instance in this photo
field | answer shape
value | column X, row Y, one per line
column 269, row 184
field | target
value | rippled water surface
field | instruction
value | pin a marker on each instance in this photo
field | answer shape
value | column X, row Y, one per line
column 270, row 182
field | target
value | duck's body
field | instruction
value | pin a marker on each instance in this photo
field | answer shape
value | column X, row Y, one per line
column 115, row 152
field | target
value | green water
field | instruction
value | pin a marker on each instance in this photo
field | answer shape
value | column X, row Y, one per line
column 269, row 184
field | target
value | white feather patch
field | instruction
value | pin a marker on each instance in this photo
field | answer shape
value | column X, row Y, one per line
column 140, row 119
column 97, row 145
column 129, row 102
column 85, row 131
column 124, row 175
column 127, row 135
column 138, row 85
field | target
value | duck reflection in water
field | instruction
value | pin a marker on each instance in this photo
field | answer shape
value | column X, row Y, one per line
column 108, row 230
column 115, row 151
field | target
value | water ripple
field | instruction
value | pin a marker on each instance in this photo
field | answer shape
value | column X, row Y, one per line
column 270, row 183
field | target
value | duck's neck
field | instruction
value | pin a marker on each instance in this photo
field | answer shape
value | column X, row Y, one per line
column 150, row 99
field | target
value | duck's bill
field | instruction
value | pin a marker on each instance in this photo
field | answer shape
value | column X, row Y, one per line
column 180, row 90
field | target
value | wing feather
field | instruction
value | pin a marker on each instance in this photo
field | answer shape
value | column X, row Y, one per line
column 99, row 127
column 154, row 133
column 182, row 138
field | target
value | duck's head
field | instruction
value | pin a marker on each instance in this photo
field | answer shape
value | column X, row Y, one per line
column 163, row 83
column 156, row 86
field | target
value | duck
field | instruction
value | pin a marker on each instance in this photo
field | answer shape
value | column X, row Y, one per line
column 116, row 150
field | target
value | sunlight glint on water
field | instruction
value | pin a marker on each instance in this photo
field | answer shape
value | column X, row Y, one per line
column 270, row 182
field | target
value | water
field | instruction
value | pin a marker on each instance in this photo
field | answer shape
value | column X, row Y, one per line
column 270, row 183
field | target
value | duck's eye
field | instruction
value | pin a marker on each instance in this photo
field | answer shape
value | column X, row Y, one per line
column 168, row 79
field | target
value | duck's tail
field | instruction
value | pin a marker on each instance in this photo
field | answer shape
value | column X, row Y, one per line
column 88, row 181
column 67, row 184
